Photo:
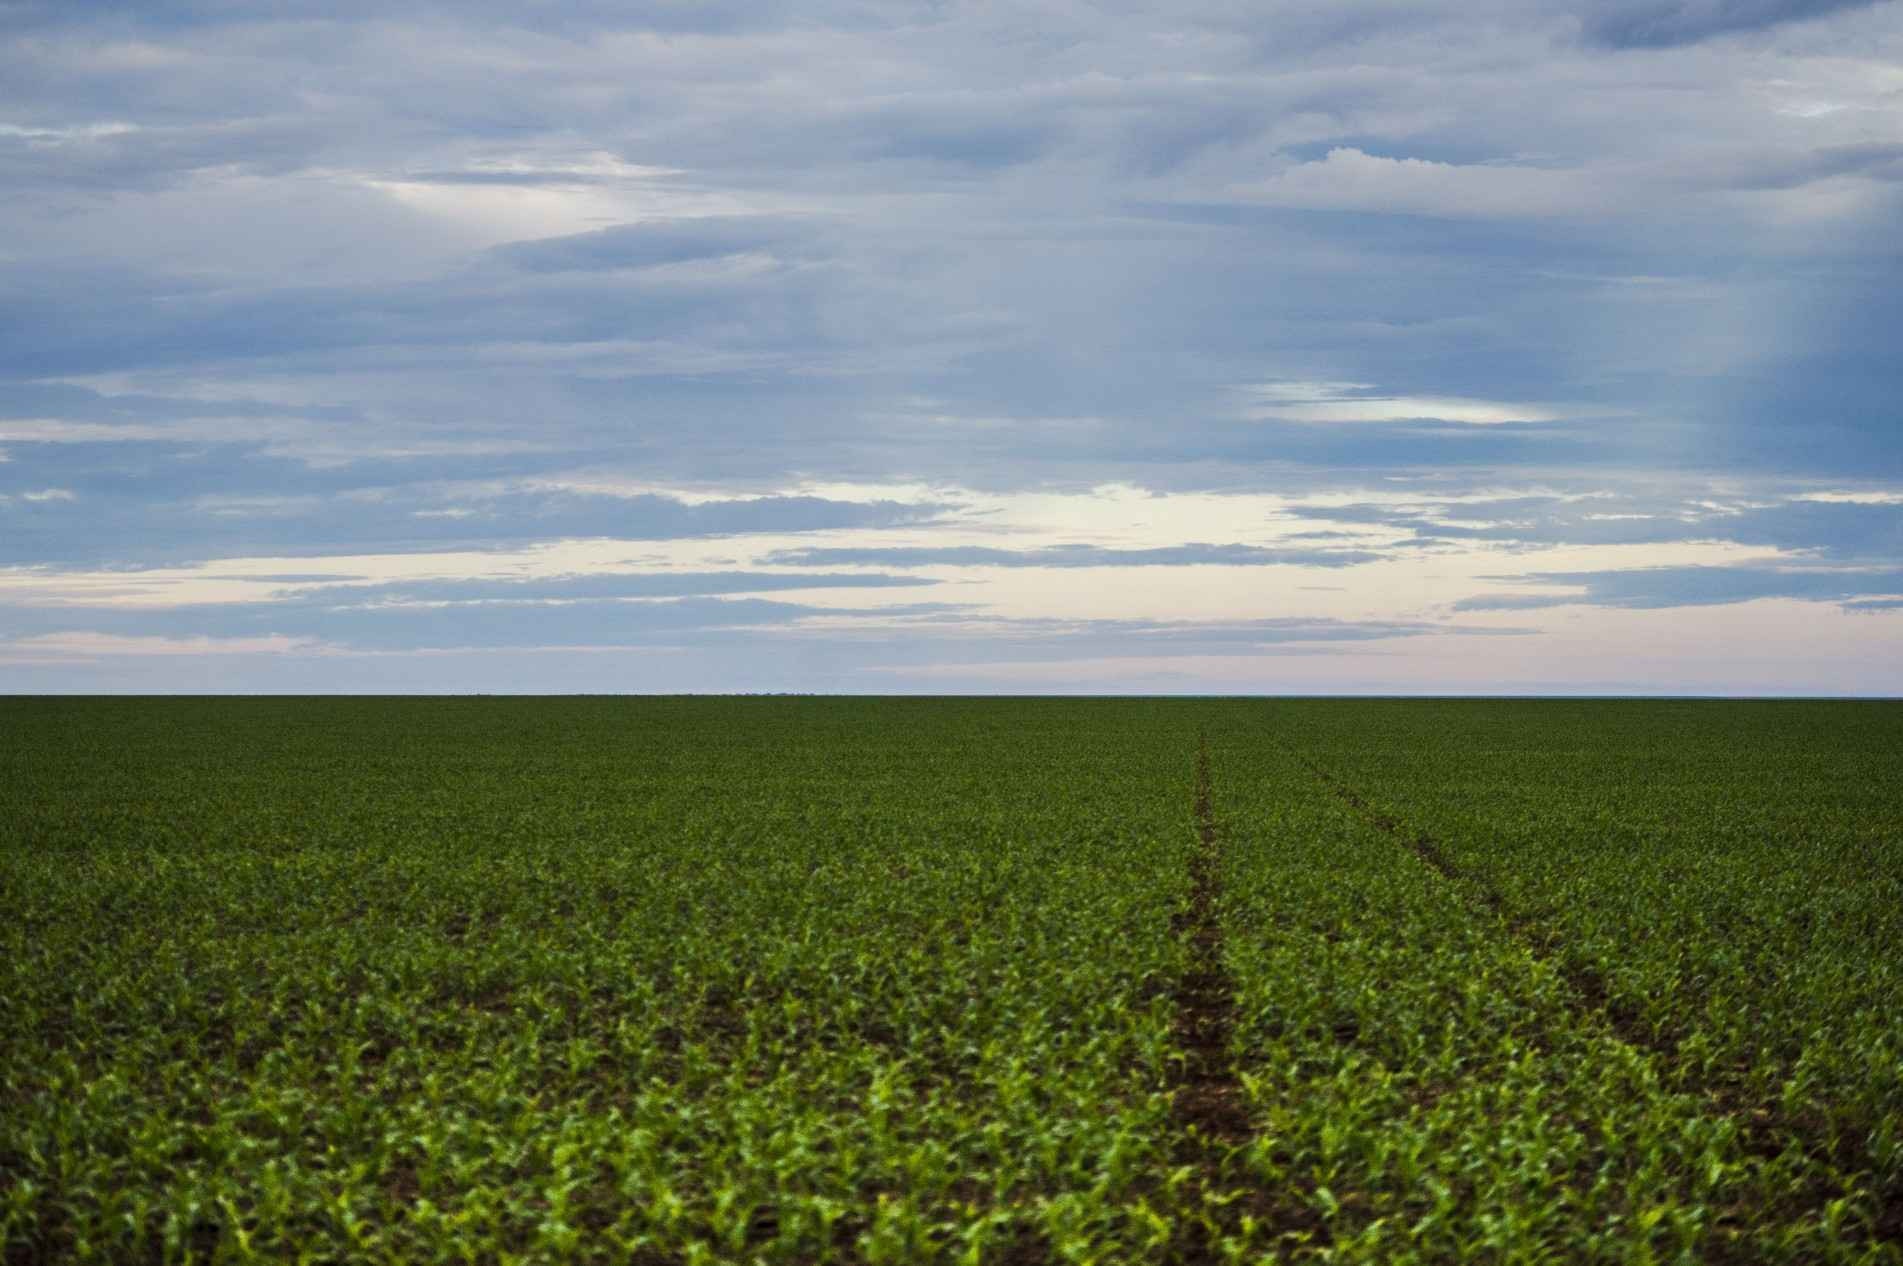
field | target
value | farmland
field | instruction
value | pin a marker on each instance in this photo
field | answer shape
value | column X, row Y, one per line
column 804, row 980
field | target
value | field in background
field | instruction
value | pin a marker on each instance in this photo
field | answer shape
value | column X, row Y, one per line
column 959, row 980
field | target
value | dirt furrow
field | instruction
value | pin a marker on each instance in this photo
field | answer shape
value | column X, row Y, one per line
column 1211, row 1113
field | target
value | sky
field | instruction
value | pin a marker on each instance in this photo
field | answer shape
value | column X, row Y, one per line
column 1209, row 347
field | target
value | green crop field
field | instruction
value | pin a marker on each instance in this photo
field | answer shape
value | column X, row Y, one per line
column 908, row 980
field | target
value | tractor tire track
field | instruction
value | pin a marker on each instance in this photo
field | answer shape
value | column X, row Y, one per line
column 1209, row 1095
column 1585, row 984
column 1209, row 1106
column 1763, row 1131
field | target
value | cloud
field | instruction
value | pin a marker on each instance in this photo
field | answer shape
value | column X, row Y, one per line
column 1349, row 179
column 1648, row 588
column 1651, row 24
column 394, row 625
column 909, row 632
column 37, row 496
column 119, row 156
column 655, row 243
column 572, row 589
column 195, row 502
column 85, row 645
column 1358, row 402
column 1194, row 554
column 1852, row 528
column 1558, row 287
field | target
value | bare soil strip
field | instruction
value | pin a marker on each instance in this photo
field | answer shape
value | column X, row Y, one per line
column 1210, row 1110
column 1763, row 1129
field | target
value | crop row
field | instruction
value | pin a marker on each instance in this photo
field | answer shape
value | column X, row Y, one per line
column 807, row 980
column 1425, row 1086
column 1728, row 876
column 789, row 984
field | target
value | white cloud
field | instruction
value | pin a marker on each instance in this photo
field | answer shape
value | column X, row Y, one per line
column 534, row 195
column 179, row 430
column 1291, row 401
column 1859, row 497
column 65, row 135
column 80, row 644
column 1349, row 179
